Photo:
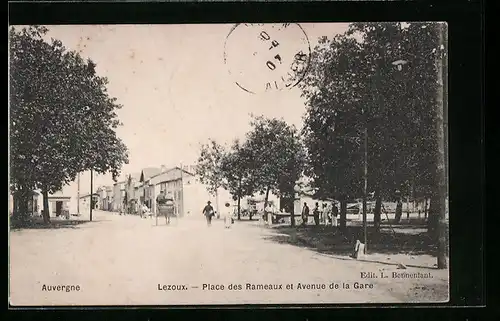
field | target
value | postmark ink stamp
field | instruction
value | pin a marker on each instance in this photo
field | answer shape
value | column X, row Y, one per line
column 267, row 57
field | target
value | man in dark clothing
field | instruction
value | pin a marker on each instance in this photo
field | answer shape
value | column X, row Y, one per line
column 208, row 211
column 335, row 214
column 316, row 211
column 305, row 214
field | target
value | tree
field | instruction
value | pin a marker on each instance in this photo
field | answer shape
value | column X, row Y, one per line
column 277, row 155
column 378, row 76
column 62, row 120
column 208, row 167
column 236, row 173
column 408, row 91
column 333, row 119
column 388, row 71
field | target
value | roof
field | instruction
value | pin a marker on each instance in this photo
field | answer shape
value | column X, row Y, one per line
column 171, row 175
column 135, row 176
column 88, row 194
column 150, row 172
column 58, row 194
column 172, row 169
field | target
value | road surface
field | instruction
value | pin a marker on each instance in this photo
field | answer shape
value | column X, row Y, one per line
column 125, row 260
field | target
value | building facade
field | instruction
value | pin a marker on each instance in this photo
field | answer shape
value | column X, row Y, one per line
column 118, row 195
column 190, row 195
column 60, row 203
column 86, row 201
column 105, row 202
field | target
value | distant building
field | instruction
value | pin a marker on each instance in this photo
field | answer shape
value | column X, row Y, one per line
column 190, row 195
column 118, row 195
column 143, row 192
column 105, row 198
column 86, row 201
column 33, row 204
column 59, row 203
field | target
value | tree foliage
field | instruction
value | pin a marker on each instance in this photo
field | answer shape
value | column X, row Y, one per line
column 236, row 171
column 355, row 81
column 208, row 167
column 62, row 119
column 271, row 159
column 277, row 154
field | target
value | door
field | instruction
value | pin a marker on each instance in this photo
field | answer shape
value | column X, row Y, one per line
column 59, row 205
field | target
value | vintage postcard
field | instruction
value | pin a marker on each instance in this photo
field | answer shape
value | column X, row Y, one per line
column 228, row 164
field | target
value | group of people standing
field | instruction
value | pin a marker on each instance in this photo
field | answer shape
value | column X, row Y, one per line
column 326, row 214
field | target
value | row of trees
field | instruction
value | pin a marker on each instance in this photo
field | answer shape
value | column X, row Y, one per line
column 62, row 119
column 271, row 159
column 375, row 101
column 383, row 78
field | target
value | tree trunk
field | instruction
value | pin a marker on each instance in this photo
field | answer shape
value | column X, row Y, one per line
column 239, row 208
column 45, row 212
column 239, row 199
column 16, row 201
column 266, row 198
column 377, row 210
column 440, row 183
column 265, row 203
column 20, row 204
column 15, row 204
column 433, row 218
column 217, row 202
column 408, row 208
column 343, row 213
column 23, row 204
column 399, row 211
column 425, row 208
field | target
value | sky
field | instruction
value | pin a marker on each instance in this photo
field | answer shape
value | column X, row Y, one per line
column 175, row 89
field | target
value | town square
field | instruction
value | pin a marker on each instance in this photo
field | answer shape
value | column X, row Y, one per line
column 251, row 164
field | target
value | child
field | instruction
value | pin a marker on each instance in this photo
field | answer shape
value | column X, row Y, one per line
column 228, row 215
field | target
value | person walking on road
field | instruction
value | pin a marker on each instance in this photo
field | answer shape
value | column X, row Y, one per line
column 208, row 211
column 228, row 215
column 316, row 211
column 326, row 214
column 268, row 213
column 335, row 214
column 305, row 214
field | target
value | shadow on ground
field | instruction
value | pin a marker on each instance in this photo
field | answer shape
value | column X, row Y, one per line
column 38, row 224
column 330, row 240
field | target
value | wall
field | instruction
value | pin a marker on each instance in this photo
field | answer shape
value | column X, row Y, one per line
column 117, row 197
column 195, row 196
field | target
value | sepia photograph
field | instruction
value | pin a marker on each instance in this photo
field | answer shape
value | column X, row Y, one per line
column 228, row 164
